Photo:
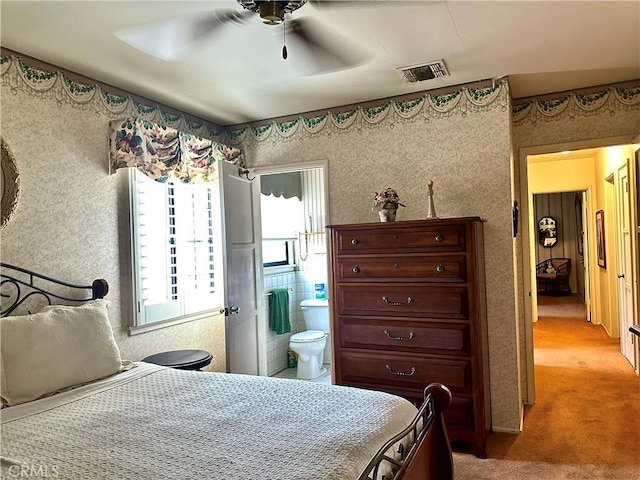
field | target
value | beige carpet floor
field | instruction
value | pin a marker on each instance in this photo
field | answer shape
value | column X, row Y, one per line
column 585, row 423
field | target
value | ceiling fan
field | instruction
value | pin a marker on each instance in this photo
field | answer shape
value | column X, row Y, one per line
column 272, row 12
column 326, row 49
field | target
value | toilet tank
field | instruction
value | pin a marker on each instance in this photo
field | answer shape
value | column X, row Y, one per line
column 316, row 314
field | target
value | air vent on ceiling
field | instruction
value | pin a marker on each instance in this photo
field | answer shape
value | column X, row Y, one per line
column 426, row 71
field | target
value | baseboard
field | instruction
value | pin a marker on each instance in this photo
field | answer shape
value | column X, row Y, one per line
column 515, row 431
column 506, row 430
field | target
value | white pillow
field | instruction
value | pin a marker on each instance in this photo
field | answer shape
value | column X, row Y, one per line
column 56, row 348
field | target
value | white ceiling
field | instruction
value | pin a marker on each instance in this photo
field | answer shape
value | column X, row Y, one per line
column 567, row 155
column 237, row 74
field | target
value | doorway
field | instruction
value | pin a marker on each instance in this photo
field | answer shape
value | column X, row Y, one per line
column 625, row 270
column 294, row 215
column 567, row 170
column 560, row 260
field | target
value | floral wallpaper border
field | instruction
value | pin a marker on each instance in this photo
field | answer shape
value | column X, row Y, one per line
column 611, row 98
column 16, row 74
column 19, row 75
column 390, row 112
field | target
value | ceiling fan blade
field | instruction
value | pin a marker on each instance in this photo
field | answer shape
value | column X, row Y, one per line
column 335, row 4
column 327, row 51
column 170, row 38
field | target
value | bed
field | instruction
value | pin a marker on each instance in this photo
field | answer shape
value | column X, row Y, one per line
column 103, row 417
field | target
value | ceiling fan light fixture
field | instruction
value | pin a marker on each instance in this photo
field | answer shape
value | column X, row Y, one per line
column 271, row 13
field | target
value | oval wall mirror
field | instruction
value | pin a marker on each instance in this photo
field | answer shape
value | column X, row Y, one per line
column 547, row 232
column 9, row 184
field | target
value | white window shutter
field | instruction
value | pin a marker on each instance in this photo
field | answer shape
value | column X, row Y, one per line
column 175, row 230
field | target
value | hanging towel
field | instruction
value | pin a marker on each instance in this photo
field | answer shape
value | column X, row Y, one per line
column 279, row 311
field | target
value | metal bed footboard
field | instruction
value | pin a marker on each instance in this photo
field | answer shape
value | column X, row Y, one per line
column 17, row 285
column 409, row 441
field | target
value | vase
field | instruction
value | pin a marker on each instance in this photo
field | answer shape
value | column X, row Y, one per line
column 388, row 212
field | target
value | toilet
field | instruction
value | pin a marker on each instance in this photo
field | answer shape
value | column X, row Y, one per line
column 310, row 344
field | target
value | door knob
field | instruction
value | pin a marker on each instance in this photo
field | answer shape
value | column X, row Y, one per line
column 621, row 275
column 230, row 310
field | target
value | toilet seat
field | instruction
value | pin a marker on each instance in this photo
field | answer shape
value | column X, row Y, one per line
column 308, row 336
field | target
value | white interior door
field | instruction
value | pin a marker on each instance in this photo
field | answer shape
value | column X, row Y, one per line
column 244, row 291
column 625, row 263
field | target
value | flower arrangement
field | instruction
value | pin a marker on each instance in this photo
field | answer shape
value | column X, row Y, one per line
column 388, row 195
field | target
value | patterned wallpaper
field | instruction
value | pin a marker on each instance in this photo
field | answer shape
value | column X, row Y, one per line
column 67, row 223
column 605, row 112
column 461, row 141
column 19, row 74
column 426, row 106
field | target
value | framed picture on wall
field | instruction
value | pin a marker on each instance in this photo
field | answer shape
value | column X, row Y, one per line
column 547, row 232
column 602, row 258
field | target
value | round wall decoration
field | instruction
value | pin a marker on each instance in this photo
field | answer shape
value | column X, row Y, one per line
column 9, row 184
column 547, row 232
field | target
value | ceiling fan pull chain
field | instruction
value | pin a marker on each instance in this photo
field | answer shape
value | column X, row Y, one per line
column 284, row 39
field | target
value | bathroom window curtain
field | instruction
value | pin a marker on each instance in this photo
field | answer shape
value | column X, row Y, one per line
column 285, row 185
column 166, row 154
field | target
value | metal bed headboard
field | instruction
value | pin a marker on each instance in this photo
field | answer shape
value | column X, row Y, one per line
column 17, row 285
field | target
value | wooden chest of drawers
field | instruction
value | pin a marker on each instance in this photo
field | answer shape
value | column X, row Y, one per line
column 409, row 308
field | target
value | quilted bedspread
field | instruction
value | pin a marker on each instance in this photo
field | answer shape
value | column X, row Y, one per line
column 160, row 423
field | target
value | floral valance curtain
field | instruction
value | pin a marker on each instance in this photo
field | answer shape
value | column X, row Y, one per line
column 166, row 154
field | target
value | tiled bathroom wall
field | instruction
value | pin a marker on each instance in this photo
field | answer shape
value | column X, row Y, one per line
column 277, row 345
column 302, row 286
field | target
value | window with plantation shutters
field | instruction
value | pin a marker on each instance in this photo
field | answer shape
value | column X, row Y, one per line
column 177, row 249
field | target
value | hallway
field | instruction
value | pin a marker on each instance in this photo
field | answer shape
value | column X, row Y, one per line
column 584, row 387
column 562, row 306
column 585, row 423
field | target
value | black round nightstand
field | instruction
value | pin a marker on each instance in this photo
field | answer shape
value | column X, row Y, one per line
column 181, row 359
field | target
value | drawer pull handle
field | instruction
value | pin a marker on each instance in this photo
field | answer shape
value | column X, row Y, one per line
column 440, row 268
column 354, row 241
column 439, row 238
column 386, row 332
column 356, row 269
column 402, row 374
column 397, row 304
